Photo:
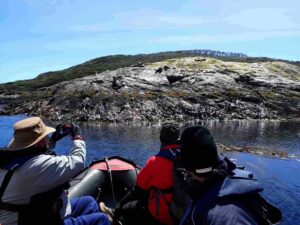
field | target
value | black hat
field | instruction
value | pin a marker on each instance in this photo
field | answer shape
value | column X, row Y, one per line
column 198, row 150
column 169, row 132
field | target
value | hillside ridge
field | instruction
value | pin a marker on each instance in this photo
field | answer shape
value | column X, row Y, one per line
column 183, row 89
column 113, row 62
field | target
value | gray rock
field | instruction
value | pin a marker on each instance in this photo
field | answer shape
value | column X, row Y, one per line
column 184, row 89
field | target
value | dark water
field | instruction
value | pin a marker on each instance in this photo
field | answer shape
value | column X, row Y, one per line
column 280, row 178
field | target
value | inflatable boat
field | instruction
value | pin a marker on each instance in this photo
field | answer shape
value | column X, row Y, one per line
column 107, row 180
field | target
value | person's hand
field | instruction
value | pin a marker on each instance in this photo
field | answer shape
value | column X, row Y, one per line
column 62, row 130
column 58, row 134
column 67, row 129
column 76, row 133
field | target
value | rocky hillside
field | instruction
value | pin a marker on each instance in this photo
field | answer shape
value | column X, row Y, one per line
column 182, row 88
column 112, row 62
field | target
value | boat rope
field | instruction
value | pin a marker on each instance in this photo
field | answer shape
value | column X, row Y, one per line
column 111, row 180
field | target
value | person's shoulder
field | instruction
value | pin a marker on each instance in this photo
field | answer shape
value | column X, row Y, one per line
column 44, row 160
column 40, row 158
column 230, row 212
column 157, row 160
column 151, row 159
column 37, row 165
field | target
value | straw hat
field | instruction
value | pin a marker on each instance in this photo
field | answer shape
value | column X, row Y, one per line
column 28, row 132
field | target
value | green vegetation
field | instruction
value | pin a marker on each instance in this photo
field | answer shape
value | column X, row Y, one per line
column 279, row 67
column 102, row 64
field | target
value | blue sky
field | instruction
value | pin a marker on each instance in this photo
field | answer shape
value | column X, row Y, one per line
column 38, row 36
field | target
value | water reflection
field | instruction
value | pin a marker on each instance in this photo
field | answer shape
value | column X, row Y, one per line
column 270, row 134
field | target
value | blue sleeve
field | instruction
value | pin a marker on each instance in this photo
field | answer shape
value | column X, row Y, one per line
column 230, row 214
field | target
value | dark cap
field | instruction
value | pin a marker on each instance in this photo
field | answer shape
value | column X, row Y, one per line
column 169, row 132
column 198, row 150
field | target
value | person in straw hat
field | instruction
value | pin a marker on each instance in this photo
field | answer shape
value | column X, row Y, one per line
column 31, row 179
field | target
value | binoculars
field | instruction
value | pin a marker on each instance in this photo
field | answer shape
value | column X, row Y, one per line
column 67, row 128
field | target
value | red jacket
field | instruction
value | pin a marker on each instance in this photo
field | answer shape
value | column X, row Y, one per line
column 158, row 174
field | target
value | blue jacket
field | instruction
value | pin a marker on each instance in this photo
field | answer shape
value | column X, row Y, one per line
column 221, row 204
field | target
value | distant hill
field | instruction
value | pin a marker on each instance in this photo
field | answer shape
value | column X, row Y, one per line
column 183, row 89
column 113, row 62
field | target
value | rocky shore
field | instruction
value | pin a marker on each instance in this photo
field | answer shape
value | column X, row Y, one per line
column 193, row 88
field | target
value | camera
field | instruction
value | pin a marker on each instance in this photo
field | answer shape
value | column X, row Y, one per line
column 67, row 129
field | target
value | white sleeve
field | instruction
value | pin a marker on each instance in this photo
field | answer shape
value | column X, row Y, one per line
column 56, row 170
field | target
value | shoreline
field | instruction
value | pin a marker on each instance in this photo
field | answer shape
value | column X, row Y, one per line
column 158, row 122
column 251, row 149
